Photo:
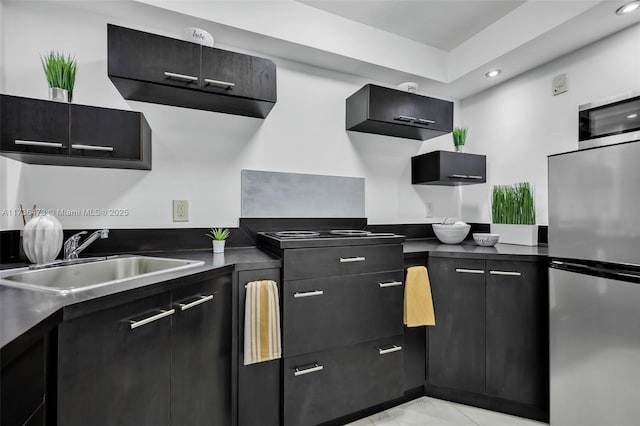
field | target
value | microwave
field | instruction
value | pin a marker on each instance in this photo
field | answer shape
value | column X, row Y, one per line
column 612, row 121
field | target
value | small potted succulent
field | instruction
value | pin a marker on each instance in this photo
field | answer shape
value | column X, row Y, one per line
column 60, row 72
column 218, row 235
column 459, row 138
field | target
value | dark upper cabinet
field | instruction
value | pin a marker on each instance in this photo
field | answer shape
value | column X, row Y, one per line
column 448, row 168
column 45, row 132
column 456, row 343
column 33, row 126
column 517, row 332
column 152, row 68
column 391, row 112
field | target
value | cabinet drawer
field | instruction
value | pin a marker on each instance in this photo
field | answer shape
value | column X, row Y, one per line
column 34, row 126
column 322, row 313
column 326, row 385
column 326, row 262
column 235, row 74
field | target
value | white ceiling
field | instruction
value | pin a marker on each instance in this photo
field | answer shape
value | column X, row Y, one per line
column 444, row 24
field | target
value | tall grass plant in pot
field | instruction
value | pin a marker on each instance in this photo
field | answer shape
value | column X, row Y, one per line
column 60, row 71
column 459, row 138
column 513, row 214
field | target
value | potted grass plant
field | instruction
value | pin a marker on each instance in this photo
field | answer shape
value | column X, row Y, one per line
column 219, row 236
column 60, row 71
column 513, row 214
column 459, row 138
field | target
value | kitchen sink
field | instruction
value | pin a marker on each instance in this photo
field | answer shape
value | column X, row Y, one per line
column 70, row 278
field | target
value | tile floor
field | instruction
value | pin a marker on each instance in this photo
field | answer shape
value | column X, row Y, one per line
column 435, row 412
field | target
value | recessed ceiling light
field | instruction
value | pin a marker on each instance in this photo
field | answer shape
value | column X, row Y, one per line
column 629, row 7
column 632, row 115
column 493, row 73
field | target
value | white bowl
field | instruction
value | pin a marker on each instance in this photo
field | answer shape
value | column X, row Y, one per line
column 451, row 234
column 486, row 240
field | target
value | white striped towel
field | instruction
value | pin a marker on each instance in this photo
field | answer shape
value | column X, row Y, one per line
column 261, row 322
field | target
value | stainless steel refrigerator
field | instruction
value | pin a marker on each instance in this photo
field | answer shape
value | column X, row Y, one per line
column 594, row 295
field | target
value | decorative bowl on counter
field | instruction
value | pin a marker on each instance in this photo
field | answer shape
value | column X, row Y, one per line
column 451, row 234
column 486, row 240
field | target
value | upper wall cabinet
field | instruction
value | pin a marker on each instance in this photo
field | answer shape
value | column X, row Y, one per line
column 448, row 168
column 162, row 70
column 384, row 111
column 44, row 132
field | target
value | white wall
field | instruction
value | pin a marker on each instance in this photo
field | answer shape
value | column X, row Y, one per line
column 198, row 155
column 518, row 123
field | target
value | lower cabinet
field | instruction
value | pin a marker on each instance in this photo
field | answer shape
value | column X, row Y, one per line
column 490, row 344
column 326, row 385
column 161, row 360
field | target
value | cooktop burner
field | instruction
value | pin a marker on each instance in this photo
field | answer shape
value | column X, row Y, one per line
column 296, row 234
column 350, row 232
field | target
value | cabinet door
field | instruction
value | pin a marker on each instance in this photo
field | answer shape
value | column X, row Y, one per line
column 327, row 312
column 235, row 74
column 105, row 133
column 326, row 385
column 392, row 106
column 432, row 113
column 201, row 355
column 152, row 58
column 114, row 366
column 517, row 318
column 34, row 126
column 457, row 342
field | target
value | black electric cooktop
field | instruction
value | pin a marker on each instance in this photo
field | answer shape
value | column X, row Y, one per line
column 336, row 237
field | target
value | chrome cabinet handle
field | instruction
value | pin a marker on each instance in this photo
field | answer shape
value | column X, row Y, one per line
column 459, row 176
column 298, row 295
column 474, row 177
column 316, row 367
column 199, row 301
column 352, row 259
column 393, row 348
column 92, row 147
column 470, row 271
column 38, row 143
column 225, row 84
column 425, row 121
column 510, row 273
column 404, row 118
column 152, row 318
column 188, row 78
column 390, row 284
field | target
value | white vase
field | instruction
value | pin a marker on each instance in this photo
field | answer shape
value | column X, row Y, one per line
column 524, row 235
column 42, row 238
column 218, row 246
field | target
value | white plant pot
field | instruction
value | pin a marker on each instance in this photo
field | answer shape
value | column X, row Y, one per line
column 42, row 238
column 218, row 246
column 523, row 235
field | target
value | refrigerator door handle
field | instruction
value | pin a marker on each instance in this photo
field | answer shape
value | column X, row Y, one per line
column 596, row 270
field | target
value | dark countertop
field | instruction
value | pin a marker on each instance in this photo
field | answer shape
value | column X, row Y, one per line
column 470, row 249
column 22, row 310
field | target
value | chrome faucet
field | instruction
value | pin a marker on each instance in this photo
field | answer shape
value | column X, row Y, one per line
column 71, row 248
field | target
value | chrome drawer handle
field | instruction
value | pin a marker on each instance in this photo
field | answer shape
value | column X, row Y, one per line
column 201, row 300
column 394, row 348
column 316, row 367
column 470, row 271
column 459, row 176
column 425, row 121
column 298, row 295
column 156, row 317
column 474, row 177
column 92, row 147
column 404, row 118
column 510, row 273
column 390, row 284
column 225, row 84
column 188, row 78
column 352, row 259
column 38, row 143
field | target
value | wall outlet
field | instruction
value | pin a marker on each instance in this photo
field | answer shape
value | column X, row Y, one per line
column 559, row 84
column 180, row 210
column 429, row 209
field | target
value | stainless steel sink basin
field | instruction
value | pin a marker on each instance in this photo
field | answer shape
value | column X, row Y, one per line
column 85, row 276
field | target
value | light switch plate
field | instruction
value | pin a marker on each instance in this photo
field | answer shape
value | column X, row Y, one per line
column 559, row 84
column 180, row 210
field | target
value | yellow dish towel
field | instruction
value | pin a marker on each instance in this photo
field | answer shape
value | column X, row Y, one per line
column 418, row 304
column 261, row 322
